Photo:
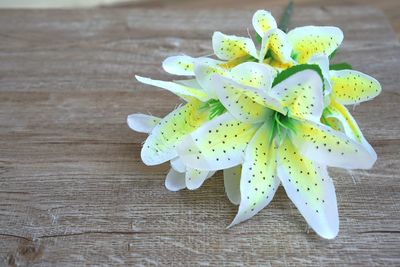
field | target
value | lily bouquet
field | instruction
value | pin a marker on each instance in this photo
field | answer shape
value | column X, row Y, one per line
column 267, row 116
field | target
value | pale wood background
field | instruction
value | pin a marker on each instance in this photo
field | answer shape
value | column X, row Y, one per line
column 74, row 192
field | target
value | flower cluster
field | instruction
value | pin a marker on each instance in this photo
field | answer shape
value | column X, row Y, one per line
column 267, row 116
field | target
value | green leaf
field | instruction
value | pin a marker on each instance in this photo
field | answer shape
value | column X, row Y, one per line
column 340, row 66
column 283, row 75
column 284, row 22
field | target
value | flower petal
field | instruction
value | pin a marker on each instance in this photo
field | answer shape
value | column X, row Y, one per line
column 184, row 65
column 310, row 188
column 323, row 62
column 161, row 144
column 276, row 41
column 177, row 165
column 204, row 75
column 142, row 123
column 349, row 125
column 192, row 83
column 352, row 87
column 301, row 94
column 232, row 183
column 329, row 147
column 240, row 102
column 254, row 74
column 179, row 65
column 263, row 21
column 175, row 88
column 228, row 47
column 259, row 181
column 175, row 181
column 310, row 40
column 195, row 178
column 218, row 144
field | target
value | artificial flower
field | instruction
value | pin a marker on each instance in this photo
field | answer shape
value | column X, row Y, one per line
column 290, row 146
column 266, row 117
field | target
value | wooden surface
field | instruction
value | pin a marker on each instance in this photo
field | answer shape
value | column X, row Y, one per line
column 74, row 192
column 391, row 8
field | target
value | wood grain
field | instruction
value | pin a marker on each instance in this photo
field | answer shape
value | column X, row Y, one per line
column 391, row 8
column 74, row 192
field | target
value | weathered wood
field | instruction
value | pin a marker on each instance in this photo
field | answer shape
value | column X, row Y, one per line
column 73, row 190
column 390, row 7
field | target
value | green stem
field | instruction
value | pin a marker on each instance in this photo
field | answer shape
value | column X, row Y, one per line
column 284, row 22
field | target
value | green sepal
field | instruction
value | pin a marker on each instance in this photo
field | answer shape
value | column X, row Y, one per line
column 258, row 38
column 333, row 54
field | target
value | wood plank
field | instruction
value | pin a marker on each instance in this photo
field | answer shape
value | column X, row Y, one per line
column 74, row 192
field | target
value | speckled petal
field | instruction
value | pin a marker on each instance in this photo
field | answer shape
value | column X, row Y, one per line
column 310, row 40
column 323, row 62
column 232, row 183
column 254, row 74
column 310, row 188
column 259, row 181
column 204, row 74
column 229, row 47
column 184, row 65
column 329, row 147
column 263, row 21
column 301, row 94
column 352, row 87
column 195, row 178
column 142, row 123
column 349, row 125
column 218, row 144
column 277, row 43
column 161, row 144
column 240, row 101
column 179, row 65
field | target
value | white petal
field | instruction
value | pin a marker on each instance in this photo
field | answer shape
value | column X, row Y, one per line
column 204, row 73
column 218, row 144
column 277, row 43
column 329, row 147
column 160, row 145
column 195, row 178
column 177, row 165
column 310, row 40
column 142, row 123
column 175, row 181
column 232, row 183
column 254, row 74
column 263, row 21
column 241, row 101
column 350, row 126
column 310, row 188
column 353, row 87
column 175, row 88
column 192, row 83
column 179, row 65
column 302, row 94
column 259, row 181
column 229, row 47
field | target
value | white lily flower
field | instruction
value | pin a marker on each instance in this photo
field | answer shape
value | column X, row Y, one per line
column 291, row 146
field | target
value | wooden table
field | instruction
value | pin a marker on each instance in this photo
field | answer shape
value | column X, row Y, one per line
column 73, row 190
